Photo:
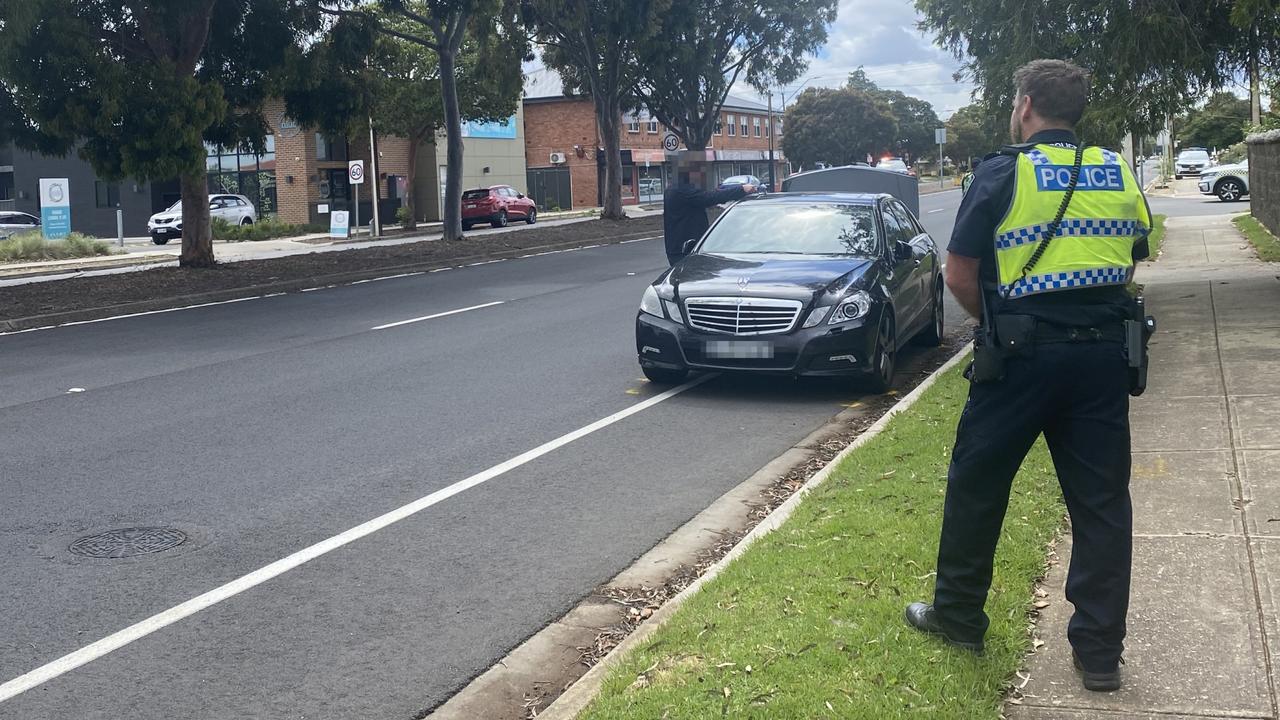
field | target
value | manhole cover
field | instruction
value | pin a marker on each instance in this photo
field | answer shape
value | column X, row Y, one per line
column 128, row 542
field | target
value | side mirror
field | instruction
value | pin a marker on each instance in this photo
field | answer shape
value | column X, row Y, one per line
column 520, row 195
column 689, row 245
column 903, row 251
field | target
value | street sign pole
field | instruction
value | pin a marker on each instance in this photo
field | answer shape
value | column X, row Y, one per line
column 940, row 136
column 357, row 209
column 355, row 176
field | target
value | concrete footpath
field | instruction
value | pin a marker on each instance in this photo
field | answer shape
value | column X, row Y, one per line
column 1204, row 621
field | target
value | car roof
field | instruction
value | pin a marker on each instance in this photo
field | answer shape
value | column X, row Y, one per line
column 844, row 198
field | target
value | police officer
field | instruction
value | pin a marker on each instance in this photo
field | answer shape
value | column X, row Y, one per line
column 1057, row 314
column 684, row 211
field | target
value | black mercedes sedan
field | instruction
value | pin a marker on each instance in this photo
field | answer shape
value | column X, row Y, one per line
column 799, row 284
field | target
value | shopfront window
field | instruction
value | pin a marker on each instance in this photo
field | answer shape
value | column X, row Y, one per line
column 241, row 171
column 331, row 149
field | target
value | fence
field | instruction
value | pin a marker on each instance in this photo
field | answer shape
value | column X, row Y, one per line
column 1264, row 178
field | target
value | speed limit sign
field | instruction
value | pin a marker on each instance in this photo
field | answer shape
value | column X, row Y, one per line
column 355, row 172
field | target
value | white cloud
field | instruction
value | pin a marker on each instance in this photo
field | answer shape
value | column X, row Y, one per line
column 881, row 36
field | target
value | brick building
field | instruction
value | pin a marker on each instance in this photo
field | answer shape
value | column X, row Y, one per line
column 565, row 162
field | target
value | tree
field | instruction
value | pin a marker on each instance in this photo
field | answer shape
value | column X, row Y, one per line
column 972, row 134
column 1146, row 57
column 404, row 93
column 442, row 26
column 915, row 117
column 137, row 89
column 592, row 44
column 704, row 46
column 839, row 127
column 1219, row 124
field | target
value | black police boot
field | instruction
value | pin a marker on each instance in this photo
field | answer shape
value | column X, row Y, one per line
column 1097, row 681
column 922, row 617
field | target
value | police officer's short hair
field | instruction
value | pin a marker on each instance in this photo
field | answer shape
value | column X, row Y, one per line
column 1059, row 90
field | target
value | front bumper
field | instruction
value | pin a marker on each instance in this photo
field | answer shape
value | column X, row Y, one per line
column 822, row 351
column 1206, row 186
column 1190, row 170
column 164, row 230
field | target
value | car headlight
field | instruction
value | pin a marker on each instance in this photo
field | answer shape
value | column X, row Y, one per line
column 650, row 303
column 853, row 307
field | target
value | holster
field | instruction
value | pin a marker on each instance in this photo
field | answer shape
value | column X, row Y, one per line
column 1138, row 330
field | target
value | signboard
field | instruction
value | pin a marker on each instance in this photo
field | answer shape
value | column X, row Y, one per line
column 501, row 130
column 940, row 136
column 55, row 208
column 286, row 126
column 339, row 224
column 355, row 172
column 671, row 142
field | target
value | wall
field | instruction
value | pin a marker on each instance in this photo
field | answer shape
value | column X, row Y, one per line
column 561, row 125
column 1264, row 178
column 86, row 217
column 504, row 158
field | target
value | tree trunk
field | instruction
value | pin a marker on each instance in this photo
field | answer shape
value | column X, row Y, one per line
column 197, row 236
column 1255, row 93
column 609, row 120
column 411, row 183
column 451, row 213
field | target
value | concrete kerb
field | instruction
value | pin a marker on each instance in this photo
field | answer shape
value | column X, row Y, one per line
column 576, row 698
column 250, row 292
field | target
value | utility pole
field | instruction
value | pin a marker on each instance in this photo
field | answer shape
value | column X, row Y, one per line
column 376, row 229
column 770, row 130
column 1255, row 95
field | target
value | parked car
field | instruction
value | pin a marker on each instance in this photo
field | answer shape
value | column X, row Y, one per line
column 496, row 205
column 15, row 222
column 796, row 284
column 897, row 165
column 1191, row 162
column 737, row 180
column 235, row 209
column 1228, row 182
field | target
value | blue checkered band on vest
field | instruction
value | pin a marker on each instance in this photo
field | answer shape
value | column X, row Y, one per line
column 1067, row 280
column 1109, row 157
column 1082, row 227
column 1038, row 158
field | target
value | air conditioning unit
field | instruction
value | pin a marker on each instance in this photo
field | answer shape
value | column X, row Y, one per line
column 558, row 158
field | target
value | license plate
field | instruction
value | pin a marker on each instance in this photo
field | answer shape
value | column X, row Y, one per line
column 470, row 206
column 739, row 349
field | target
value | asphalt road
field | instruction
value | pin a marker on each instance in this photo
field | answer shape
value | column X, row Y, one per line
column 261, row 428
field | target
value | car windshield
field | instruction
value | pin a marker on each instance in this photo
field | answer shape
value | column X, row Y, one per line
column 893, row 164
column 175, row 207
column 1193, row 156
column 737, row 180
column 475, row 194
column 795, row 228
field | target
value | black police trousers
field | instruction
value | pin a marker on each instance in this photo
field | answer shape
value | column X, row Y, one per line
column 1077, row 395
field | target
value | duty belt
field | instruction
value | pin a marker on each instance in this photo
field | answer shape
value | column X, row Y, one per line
column 1045, row 333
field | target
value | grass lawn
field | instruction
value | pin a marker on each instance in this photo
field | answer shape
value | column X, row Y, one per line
column 808, row 623
column 1267, row 245
column 1156, row 237
column 31, row 246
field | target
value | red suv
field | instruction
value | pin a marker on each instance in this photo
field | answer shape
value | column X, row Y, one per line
column 497, row 206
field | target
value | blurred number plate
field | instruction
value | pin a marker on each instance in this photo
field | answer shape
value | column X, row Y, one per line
column 740, row 349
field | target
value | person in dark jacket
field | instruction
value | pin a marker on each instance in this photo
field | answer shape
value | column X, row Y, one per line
column 684, row 213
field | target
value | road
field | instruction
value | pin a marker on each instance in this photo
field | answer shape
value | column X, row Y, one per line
column 264, row 427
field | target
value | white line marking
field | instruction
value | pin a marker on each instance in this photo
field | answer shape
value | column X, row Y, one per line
column 440, row 269
column 438, row 315
column 934, row 211
column 388, row 277
column 139, row 630
column 140, row 314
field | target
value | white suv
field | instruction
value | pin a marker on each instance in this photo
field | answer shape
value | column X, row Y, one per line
column 1228, row 182
column 1191, row 162
column 235, row 209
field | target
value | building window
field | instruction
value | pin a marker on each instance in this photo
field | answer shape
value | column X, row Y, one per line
column 744, row 126
column 6, row 186
column 243, row 172
column 653, row 126
column 756, row 122
column 778, row 125
column 633, row 123
column 733, row 127
column 331, row 148
column 719, row 125
column 105, row 194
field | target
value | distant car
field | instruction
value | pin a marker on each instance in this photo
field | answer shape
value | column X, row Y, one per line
column 15, row 222
column 235, row 209
column 1228, row 182
column 497, row 205
column 897, row 165
column 737, row 180
column 796, row 284
column 1191, row 161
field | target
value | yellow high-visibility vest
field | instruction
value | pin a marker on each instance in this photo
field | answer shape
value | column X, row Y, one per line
column 1094, row 244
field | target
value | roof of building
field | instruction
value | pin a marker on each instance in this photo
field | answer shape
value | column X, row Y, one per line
column 544, row 84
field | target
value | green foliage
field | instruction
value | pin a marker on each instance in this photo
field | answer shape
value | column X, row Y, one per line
column 1237, row 153
column 30, row 246
column 807, row 623
column 1266, row 244
column 1219, row 124
column 265, row 229
column 973, row 132
column 1156, row 238
column 915, row 118
column 704, row 46
column 838, row 127
column 1146, row 57
column 403, row 215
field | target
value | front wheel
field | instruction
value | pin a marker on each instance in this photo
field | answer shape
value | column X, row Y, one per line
column 160, row 239
column 466, row 226
column 881, row 380
column 932, row 335
column 246, row 221
column 663, row 376
column 1177, row 177
column 532, row 217
column 501, row 220
column 1230, row 190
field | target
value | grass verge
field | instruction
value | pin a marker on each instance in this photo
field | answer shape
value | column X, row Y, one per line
column 31, row 247
column 1156, row 237
column 808, row 622
column 1267, row 245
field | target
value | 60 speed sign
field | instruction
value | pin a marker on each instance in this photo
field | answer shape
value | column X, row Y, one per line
column 355, row 172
